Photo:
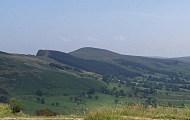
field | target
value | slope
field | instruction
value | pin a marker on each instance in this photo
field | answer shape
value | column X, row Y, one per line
column 185, row 59
column 103, row 55
column 153, row 81
column 25, row 74
column 99, row 67
column 135, row 63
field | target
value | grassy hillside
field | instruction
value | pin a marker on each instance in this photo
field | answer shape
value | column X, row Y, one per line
column 24, row 75
column 95, row 53
column 21, row 76
column 132, row 63
column 108, row 56
column 71, row 84
column 162, row 80
column 99, row 67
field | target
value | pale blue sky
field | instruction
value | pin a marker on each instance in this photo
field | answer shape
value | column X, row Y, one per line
column 131, row 27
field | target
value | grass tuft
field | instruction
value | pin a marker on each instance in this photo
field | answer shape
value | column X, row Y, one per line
column 104, row 113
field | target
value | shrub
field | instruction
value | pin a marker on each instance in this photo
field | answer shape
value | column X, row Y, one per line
column 15, row 105
column 45, row 112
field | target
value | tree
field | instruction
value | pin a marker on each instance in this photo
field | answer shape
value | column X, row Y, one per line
column 15, row 105
column 130, row 95
column 116, row 101
column 52, row 104
column 117, row 94
column 76, row 99
column 91, row 91
column 43, row 101
column 89, row 96
column 183, row 104
column 169, row 104
column 81, row 100
column 96, row 97
column 151, row 101
column 83, row 94
column 39, row 92
column 114, row 89
column 71, row 98
column 38, row 99
column 57, row 104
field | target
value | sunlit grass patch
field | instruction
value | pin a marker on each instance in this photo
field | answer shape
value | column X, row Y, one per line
column 105, row 113
column 139, row 111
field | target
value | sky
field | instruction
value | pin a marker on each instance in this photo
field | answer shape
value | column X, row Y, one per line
column 130, row 27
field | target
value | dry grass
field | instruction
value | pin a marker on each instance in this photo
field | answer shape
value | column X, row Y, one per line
column 138, row 112
column 104, row 113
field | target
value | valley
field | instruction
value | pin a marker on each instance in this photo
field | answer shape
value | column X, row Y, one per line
column 88, row 78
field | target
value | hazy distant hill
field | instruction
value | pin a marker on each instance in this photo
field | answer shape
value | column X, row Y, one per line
column 4, row 53
column 100, row 67
column 95, row 53
column 108, row 56
column 106, row 62
column 185, row 59
column 133, row 62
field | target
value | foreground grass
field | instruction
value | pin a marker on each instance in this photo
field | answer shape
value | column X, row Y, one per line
column 7, row 114
column 113, row 113
column 138, row 112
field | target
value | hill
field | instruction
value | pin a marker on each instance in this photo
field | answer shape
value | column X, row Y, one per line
column 137, row 63
column 94, row 53
column 91, row 77
column 185, row 59
column 147, row 75
column 108, row 56
column 25, row 74
column 106, row 62
column 99, row 67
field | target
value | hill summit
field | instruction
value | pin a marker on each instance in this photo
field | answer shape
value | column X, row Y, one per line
column 89, row 52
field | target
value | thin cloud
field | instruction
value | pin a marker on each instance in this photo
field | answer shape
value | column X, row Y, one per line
column 63, row 39
column 91, row 39
column 119, row 38
column 151, row 15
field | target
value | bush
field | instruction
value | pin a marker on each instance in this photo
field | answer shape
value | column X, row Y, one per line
column 15, row 105
column 45, row 112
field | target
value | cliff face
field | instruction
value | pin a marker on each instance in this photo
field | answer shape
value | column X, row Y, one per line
column 42, row 53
